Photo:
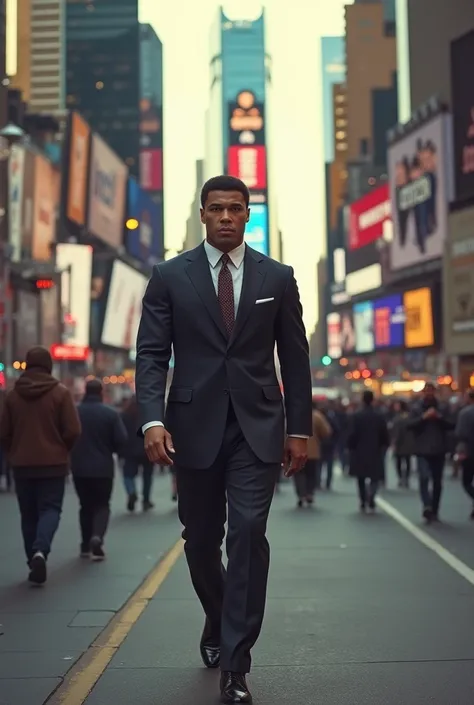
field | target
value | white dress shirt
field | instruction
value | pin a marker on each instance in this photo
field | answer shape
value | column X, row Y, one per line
column 236, row 268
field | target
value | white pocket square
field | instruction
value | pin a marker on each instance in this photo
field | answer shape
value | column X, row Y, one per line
column 265, row 301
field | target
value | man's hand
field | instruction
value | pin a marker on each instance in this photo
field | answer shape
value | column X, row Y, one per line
column 158, row 443
column 296, row 455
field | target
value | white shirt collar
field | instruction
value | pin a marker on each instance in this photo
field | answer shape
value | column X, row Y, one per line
column 214, row 255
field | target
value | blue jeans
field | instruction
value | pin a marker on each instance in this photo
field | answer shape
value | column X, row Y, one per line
column 430, row 474
column 41, row 501
column 130, row 472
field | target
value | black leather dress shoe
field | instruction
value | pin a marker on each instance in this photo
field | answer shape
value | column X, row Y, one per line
column 234, row 688
column 210, row 648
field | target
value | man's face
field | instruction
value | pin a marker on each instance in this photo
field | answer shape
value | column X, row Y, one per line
column 225, row 215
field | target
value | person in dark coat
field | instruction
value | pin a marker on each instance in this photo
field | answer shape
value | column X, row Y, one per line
column 38, row 428
column 93, row 467
column 430, row 423
column 367, row 441
column 134, row 459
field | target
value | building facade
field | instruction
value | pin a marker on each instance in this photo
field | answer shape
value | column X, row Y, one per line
column 371, row 58
column 3, row 73
column 333, row 65
column 238, row 122
column 103, row 71
column 40, row 61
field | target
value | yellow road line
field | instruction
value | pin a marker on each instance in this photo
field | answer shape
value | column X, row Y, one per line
column 82, row 678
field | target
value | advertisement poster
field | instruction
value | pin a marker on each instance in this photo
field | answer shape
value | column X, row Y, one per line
column 333, row 322
column 348, row 336
column 75, row 261
column 248, row 164
column 45, row 207
column 256, row 230
column 421, row 186
column 419, row 330
column 16, row 172
column 364, row 327
column 78, row 170
column 144, row 242
column 28, row 202
column 124, row 307
column 389, row 321
column 462, row 91
column 367, row 217
column 107, row 193
column 151, row 169
column 246, row 120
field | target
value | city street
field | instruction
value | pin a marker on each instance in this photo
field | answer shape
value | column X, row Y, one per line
column 359, row 611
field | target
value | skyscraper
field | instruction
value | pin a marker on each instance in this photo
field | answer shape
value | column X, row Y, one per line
column 237, row 122
column 103, row 71
column 333, row 64
column 40, row 65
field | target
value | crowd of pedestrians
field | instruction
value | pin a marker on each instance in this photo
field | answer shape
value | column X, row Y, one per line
column 44, row 435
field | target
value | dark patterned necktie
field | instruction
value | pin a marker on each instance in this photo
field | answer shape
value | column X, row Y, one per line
column 225, row 294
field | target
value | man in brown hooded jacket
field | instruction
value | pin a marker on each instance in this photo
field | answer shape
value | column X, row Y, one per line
column 38, row 428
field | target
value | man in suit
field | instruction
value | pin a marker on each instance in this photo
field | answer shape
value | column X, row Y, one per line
column 222, row 307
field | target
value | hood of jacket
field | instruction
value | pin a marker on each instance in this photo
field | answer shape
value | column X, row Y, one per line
column 35, row 383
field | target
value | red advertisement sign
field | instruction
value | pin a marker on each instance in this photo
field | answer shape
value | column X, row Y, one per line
column 367, row 217
column 151, row 169
column 248, row 164
column 69, row 352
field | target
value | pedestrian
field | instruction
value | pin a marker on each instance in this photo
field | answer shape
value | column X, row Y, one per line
column 222, row 307
column 402, row 443
column 431, row 424
column 367, row 441
column 38, row 428
column 306, row 480
column 93, row 467
column 465, row 449
column 135, row 459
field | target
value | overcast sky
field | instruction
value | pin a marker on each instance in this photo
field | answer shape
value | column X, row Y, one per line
column 294, row 32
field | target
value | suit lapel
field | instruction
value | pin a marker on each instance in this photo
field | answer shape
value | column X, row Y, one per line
column 200, row 276
column 254, row 276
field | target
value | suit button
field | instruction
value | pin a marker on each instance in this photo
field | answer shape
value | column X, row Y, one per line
column 226, row 392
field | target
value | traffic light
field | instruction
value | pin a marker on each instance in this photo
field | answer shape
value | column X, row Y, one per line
column 326, row 360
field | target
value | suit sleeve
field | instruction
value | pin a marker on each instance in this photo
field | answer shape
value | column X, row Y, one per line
column 153, row 351
column 293, row 353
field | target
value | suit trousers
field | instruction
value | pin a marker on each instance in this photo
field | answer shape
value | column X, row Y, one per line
column 233, row 599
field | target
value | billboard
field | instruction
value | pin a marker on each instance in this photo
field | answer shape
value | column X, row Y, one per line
column 246, row 120
column 389, row 322
column 348, row 336
column 78, row 169
column 364, row 327
column 248, row 164
column 256, row 230
column 367, row 217
column 462, row 89
column 419, row 328
column 146, row 241
column 45, row 205
column 333, row 322
column 151, row 169
column 124, row 307
column 75, row 261
column 421, row 184
column 107, row 187
column 16, row 174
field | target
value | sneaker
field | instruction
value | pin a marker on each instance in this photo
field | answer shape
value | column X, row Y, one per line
column 97, row 549
column 372, row 505
column 428, row 514
column 132, row 500
column 147, row 505
column 38, row 573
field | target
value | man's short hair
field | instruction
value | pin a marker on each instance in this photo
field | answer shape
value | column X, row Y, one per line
column 368, row 397
column 224, row 183
column 94, row 387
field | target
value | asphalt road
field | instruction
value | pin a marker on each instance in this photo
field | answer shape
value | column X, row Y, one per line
column 359, row 611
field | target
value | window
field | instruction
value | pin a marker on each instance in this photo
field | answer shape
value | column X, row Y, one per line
column 341, row 123
column 340, row 98
column 341, row 146
column 340, row 135
column 340, row 111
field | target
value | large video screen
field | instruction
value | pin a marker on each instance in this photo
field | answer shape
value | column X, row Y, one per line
column 419, row 327
column 389, row 321
column 364, row 327
column 256, row 231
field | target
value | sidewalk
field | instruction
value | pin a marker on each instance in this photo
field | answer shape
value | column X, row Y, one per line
column 44, row 631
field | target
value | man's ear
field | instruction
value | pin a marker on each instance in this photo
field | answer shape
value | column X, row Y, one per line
column 248, row 215
column 201, row 210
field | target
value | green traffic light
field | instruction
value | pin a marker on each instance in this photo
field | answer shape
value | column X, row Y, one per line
column 326, row 360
